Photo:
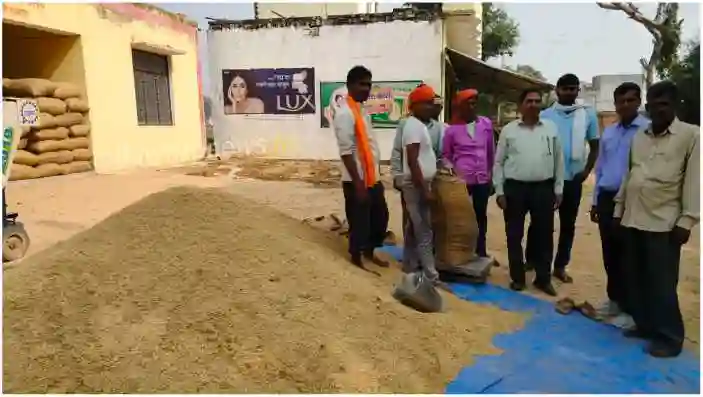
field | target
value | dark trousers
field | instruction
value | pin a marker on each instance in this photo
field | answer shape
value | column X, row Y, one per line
column 652, row 270
column 537, row 199
column 612, row 246
column 368, row 220
column 568, row 211
column 480, row 194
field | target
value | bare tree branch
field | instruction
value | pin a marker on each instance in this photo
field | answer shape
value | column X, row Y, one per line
column 634, row 13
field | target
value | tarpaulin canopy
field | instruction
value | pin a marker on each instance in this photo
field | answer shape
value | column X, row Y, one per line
column 489, row 79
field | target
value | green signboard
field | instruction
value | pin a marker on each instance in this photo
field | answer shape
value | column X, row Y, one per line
column 386, row 104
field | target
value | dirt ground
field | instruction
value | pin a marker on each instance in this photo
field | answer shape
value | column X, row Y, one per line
column 54, row 209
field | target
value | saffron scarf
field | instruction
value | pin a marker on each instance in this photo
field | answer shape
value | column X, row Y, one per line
column 362, row 143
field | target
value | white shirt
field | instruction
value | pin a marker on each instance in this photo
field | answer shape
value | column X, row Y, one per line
column 343, row 125
column 414, row 131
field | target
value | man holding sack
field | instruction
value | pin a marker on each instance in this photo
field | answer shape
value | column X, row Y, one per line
column 419, row 167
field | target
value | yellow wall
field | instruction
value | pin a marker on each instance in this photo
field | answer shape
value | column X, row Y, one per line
column 106, row 40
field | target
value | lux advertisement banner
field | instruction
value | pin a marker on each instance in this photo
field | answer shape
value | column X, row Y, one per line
column 269, row 91
column 386, row 104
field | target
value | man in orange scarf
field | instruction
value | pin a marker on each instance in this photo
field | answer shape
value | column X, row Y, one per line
column 364, row 196
column 419, row 167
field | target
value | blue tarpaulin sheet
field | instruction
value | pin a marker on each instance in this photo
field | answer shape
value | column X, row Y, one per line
column 554, row 353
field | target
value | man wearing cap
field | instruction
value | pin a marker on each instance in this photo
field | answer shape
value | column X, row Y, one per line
column 468, row 146
column 436, row 130
column 577, row 125
column 419, row 168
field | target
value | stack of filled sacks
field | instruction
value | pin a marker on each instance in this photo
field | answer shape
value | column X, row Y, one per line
column 59, row 145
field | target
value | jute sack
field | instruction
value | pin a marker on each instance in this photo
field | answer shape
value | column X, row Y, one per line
column 66, row 90
column 77, row 105
column 82, row 154
column 52, row 106
column 39, row 147
column 22, row 144
column 453, row 222
column 49, row 134
column 68, row 119
column 60, row 157
column 19, row 172
column 28, row 87
column 79, row 130
column 49, row 169
column 25, row 130
column 75, row 143
column 45, row 121
column 24, row 157
column 75, row 167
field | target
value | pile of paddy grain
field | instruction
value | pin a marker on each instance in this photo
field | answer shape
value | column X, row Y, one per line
column 195, row 290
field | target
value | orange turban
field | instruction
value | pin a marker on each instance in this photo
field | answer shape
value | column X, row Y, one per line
column 465, row 95
column 459, row 97
column 423, row 93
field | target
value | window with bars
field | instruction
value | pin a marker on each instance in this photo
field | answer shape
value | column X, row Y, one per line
column 152, row 84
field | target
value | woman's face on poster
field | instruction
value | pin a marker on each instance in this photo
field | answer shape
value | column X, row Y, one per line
column 238, row 89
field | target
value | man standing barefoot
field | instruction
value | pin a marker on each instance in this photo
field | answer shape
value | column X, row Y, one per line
column 364, row 199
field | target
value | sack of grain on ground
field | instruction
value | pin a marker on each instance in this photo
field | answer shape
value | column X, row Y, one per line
column 82, row 154
column 78, row 105
column 52, row 106
column 24, row 157
column 269, row 305
column 66, row 90
column 25, row 129
column 20, row 172
column 76, row 167
column 453, row 222
column 39, row 147
column 68, row 119
column 45, row 121
column 49, row 134
column 76, row 143
column 22, row 144
column 31, row 88
column 49, row 169
column 59, row 157
column 79, row 130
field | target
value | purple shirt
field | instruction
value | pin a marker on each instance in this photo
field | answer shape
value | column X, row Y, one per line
column 614, row 153
column 472, row 158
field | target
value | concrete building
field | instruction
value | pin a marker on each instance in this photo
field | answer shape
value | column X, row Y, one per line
column 599, row 94
column 137, row 66
column 402, row 48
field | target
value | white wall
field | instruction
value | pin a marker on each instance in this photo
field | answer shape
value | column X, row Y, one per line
column 399, row 50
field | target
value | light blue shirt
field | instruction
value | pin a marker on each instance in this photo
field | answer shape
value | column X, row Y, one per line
column 565, row 123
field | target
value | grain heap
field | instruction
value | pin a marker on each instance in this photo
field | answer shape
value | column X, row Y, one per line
column 60, row 144
column 233, row 297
